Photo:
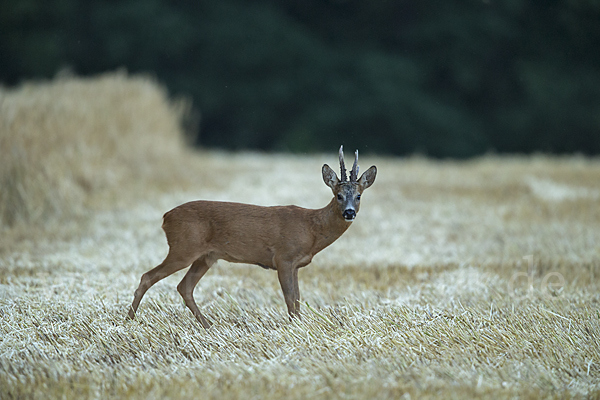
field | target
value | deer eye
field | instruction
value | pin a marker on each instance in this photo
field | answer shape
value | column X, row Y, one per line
column 339, row 197
column 358, row 197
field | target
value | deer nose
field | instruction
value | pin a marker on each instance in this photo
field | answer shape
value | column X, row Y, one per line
column 349, row 214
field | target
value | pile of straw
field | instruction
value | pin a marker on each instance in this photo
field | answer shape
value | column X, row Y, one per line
column 63, row 142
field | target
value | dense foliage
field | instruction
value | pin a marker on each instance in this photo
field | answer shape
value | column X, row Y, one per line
column 446, row 78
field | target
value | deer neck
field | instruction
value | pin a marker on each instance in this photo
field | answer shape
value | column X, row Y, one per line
column 329, row 225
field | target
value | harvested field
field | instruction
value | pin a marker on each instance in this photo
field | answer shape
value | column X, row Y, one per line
column 470, row 279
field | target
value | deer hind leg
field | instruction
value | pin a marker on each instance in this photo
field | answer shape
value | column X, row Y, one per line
column 189, row 282
column 288, row 279
column 172, row 263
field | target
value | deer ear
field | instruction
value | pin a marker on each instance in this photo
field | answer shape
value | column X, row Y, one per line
column 329, row 177
column 367, row 178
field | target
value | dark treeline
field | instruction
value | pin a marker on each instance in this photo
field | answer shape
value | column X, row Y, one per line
column 447, row 78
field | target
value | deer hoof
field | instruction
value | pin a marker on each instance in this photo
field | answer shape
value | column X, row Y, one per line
column 204, row 322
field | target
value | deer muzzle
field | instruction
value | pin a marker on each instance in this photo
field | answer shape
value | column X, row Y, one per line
column 349, row 214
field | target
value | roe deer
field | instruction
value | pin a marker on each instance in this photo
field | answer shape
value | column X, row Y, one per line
column 283, row 238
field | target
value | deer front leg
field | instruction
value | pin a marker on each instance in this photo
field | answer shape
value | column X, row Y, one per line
column 296, row 290
column 288, row 279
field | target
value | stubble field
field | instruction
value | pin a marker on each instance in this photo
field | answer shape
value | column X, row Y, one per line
column 457, row 279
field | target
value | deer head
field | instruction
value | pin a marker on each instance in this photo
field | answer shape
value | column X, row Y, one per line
column 348, row 192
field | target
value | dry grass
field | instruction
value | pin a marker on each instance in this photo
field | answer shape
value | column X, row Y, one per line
column 420, row 298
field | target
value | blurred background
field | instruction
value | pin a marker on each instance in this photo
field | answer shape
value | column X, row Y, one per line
column 443, row 78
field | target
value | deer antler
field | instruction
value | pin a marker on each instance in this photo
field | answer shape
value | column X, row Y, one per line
column 344, row 177
column 354, row 172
